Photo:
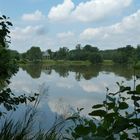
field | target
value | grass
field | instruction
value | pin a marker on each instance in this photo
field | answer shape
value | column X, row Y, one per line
column 24, row 129
column 108, row 62
column 57, row 62
column 65, row 62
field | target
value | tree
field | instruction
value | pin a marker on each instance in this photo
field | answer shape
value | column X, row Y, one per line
column 8, row 67
column 89, row 48
column 50, row 52
column 34, row 54
column 78, row 47
column 95, row 58
column 62, row 53
column 14, row 54
column 125, row 55
column 7, row 64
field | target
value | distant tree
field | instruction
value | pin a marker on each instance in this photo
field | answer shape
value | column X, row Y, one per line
column 50, row 52
column 23, row 56
column 138, row 52
column 78, row 47
column 108, row 54
column 34, row 54
column 90, row 48
column 62, row 53
column 125, row 55
column 95, row 58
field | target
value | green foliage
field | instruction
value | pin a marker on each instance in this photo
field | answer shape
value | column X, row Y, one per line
column 116, row 118
column 8, row 67
column 34, row 54
column 90, row 48
column 95, row 58
column 125, row 55
column 7, row 64
column 61, row 54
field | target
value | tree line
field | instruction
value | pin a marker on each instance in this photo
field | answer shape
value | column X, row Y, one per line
column 123, row 55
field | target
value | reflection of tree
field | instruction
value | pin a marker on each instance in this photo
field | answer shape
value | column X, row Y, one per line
column 78, row 76
column 47, row 70
column 34, row 70
column 62, row 70
column 89, row 72
column 86, row 72
column 120, row 70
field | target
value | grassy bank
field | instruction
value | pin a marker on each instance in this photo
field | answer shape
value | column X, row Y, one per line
column 66, row 62
column 108, row 62
column 57, row 62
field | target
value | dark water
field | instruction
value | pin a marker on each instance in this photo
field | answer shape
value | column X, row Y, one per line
column 63, row 89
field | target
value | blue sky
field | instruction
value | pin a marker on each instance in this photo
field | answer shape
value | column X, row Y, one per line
column 51, row 24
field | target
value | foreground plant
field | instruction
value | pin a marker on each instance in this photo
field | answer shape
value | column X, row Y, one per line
column 118, row 117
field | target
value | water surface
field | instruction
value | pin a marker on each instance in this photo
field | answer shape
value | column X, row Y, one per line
column 63, row 89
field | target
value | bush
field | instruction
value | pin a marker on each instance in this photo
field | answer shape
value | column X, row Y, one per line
column 118, row 117
column 95, row 58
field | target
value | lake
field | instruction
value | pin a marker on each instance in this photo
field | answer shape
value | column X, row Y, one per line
column 63, row 89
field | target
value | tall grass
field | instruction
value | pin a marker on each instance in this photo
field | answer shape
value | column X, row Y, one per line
column 27, row 127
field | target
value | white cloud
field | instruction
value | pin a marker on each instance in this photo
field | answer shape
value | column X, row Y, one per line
column 24, row 38
column 27, row 32
column 67, row 39
column 90, row 87
column 125, row 32
column 61, row 11
column 95, row 10
column 36, row 16
column 91, row 10
column 65, row 35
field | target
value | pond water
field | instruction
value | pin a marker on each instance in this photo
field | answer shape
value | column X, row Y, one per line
column 63, row 89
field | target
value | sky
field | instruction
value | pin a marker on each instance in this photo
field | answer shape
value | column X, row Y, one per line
column 51, row 24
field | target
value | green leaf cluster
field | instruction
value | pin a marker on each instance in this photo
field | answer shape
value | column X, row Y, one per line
column 117, row 117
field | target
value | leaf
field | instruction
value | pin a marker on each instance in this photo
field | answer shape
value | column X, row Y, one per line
column 97, row 106
column 118, row 84
column 136, row 104
column 123, row 89
column 136, row 121
column 135, row 98
column 121, row 125
column 98, row 138
column 82, row 130
column 123, row 105
column 100, row 113
column 124, row 136
column 72, row 118
column 110, row 116
column 4, row 16
column 9, row 23
column 131, row 92
column 101, row 131
column 138, row 89
column 110, row 105
column 136, row 135
column 138, row 110
column 110, row 98
column 92, row 126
